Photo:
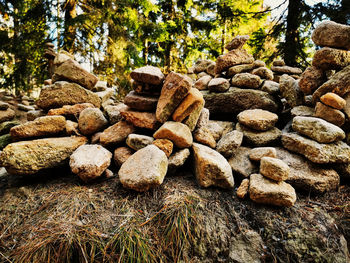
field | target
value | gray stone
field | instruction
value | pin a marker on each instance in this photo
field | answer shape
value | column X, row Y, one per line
column 229, row 143
column 232, row 58
column 33, row 114
column 218, row 85
column 219, row 128
column 302, row 111
column 246, row 80
column 116, row 133
column 202, row 83
column 241, row 164
column 148, row 74
column 271, row 87
column 257, row 153
column 201, row 65
column 263, row 73
column 239, row 69
column 290, row 90
column 177, row 160
column 105, row 95
column 91, row 120
column 142, row 103
column 7, row 115
column 137, row 141
column 259, row 138
column 113, row 112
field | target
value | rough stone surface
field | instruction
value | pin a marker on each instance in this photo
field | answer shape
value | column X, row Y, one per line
column 329, row 114
column 176, row 132
column 203, row 119
column 263, row 73
column 70, row 110
column 347, row 106
column 257, row 153
column 202, row 83
column 246, row 80
column 241, row 164
column 175, row 89
column 218, row 85
column 148, row 74
column 40, row 127
column 211, row 168
column 72, row 128
column 337, row 152
column 64, row 93
column 116, row 133
column 274, row 169
column 91, row 120
column 61, row 57
column 140, row 119
column 239, row 69
column 7, row 115
column 33, row 114
column 4, row 105
column 113, row 112
column 177, row 160
column 259, row 138
column 138, row 141
column 286, row 70
column 243, row 189
column 257, row 119
column 265, row 191
column 141, row 103
column 165, row 145
column 290, row 90
column 201, row 65
column 29, row 157
column 278, row 63
column 229, row 143
column 311, row 79
column 333, row 100
column 237, row 42
column 302, row 111
column 145, row 88
column 317, row 129
column 329, row 58
column 7, row 125
column 90, row 161
column 121, row 154
column 5, row 140
column 270, row 87
column 73, row 71
column 144, row 169
column 191, row 103
column 192, row 119
column 232, row 58
column 204, row 136
column 106, row 95
column 219, row 128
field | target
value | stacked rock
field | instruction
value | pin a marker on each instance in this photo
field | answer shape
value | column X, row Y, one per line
column 6, row 117
column 279, row 68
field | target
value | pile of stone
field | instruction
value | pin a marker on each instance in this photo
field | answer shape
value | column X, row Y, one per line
column 279, row 68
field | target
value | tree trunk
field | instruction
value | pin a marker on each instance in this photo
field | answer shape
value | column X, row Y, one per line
column 69, row 30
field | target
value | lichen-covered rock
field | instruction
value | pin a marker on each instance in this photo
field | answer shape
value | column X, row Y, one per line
column 232, row 58
column 91, row 120
column 218, row 85
column 290, row 90
column 311, row 79
column 165, row 145
column 211, row 168
column 246, row 80
column 229, row 143
column 176, row 132
column 138, row 141
column 257, row 153
column 5, row 140
column 144, row 169
column 257, row 119
column 274, row 169
column 141, row 103
column 330, row 58
column 7, row 115
column 259, row 138
column 116, row 133
column 148, row 74
column 333, row 100
column 329, row 114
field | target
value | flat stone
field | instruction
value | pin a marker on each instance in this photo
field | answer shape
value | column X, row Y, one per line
column 176, row 132
column 229, row 143
column 90, row 161
column 274, row 169
column 121, row 154
column 270, row 87
column 29, row 157
column 73, row 71
column 263, row 73
column 337, row 152
column 201, row 65
column 7, row 115
column 330, row 58
column 140, row 119
column 40, row 127
column 145, row 88
column 257, row 119
column 302, row 111
column 148, row 74
column 193, row 117
column 220, row 128
column 318, row 129
column 116, row 133
column 218, row 85
column 189, row 104
column 286, row 70
column 333, row 100
column 259, row 63
column 204, row 136
column 236, row 100
column 70, row 110
column 289, row 89
column 211, row 168
column 243, row 189
column 232, row 71
column 259, row 138
column 7, row 125
column 165, row 145
column 237, row 42
column 144, row 169
column 265, row 191
column 175, row 89
column 202, row 83
column 5, row 140
column 91, row 120
column 246, row 80
column 138, row 141
column 329, row 114
column 307, row 176
column 278, row 63
column 177, row 160
column 64, row 93
column 311, row 79
column 232, row 58
column 257, row 153
column 33, row 114
column 141, row 102
column 241, row 164
column 72, row 128
column 4, row 105
column 113, row 112
column 332, row 34
column 203, row 119
column 23, row 107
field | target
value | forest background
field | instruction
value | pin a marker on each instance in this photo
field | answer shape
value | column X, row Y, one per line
column 114, row 37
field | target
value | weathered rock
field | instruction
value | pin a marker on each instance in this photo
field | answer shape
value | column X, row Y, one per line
column 332, row 34
column 220, row 128
column 229, row 143
column 137, row 141
column 177, row 160
column 100, row 86
column 237, row 42
column 23, row 107
column 7, row 115
column 192, row 101
column 175, row 89
column 64, row 93
column 40, row 127
column 165, row 145
column 7, row 125
column 337, row 152
column 347, row 105
column 148, row 74
column 62, row 57
column 192, row 119
column 241, row 164
column 72, row 71
column 5, row 140
column 176, row 132
column 33, row 114
column 329, row 114
column 4, row 105
column 246, row 80
column 116, row 133
column 70, row 110
column 286, row 70
column 270, row 87
column 243, row 189
column 274, row 169
column 259, row 63
column 257, row 153
column 211, row 69
column 232, row 58
column 263, row 73
column 90, row 161
column 204, row 136
column 145, row 88
column 278, row 63
column 72, row 128
column 265, row 191
column 259, row 138
column 218, row 85
column 203, row 119
column 201, row 65
column 333, row 100
column 141, row 103
column 290, row 90
column 302, row 111
column 105, row 95
column 202, row 83
column 329, row 58
column 29, row 157
column 91, row 120
column 307, row 176
column 239, row 69
column 311, row 79
column 113, row 112
column 121, row 154
column 144, row 169
column 318, row 129
column 237, row 100
column 202, row 74
column 211, row 168
column 140, row 119
column 257, row 119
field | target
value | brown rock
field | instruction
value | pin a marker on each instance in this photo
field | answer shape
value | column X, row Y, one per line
column 33, row 114
column 278, row 63
column 218, row 85
column 192, row 119
column 263, row 73
column 239, row 69
column 229, row 143
column 257, row 153
column 259, row 138
column 148, row 74
column 333, row 100
column 311, row 79
column 70, row 110
column 72, row 128
column 201, row 65
column 202, row 83
column 232, row 58
column 7, row 115
column 177, row 132
column 141, row 103
column 286, row 70
column 91, row 120
column 237, row 42
column 141, row 119
column 274, row 169
column 347, row 105
column 113, row 112
column 165, row 145
column 329, row 114
column 257, row 119
column 243, row 189
column 189, row 104
column 116, row 133
column 145, row 88
column 329, row 58
column 289, row 89
column 121, row 154
column 204, row 136
column 241, row 164
column 246, row 80
column 203, row 119
column 4, row 105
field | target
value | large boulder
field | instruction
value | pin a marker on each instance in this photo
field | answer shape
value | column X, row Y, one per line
column 176, row 132
column 148, row 74
column 29, row 157
column 232, row 58
column 330, row 58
